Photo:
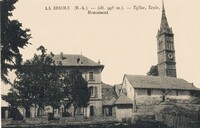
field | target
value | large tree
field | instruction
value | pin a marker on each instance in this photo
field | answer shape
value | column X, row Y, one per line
column 13, row 37
column 79, row 93
column 40, row 83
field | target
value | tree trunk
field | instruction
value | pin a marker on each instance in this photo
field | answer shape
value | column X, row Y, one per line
column 53, row 112
column 75, row 110
column 35, row 111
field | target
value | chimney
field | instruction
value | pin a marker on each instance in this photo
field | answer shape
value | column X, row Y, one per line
column 61, row 55
column 99, row 62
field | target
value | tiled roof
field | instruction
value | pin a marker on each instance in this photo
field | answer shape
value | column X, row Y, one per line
column 108, row 96
column 157, row 82
column 74, row 60
column 117, row 88
column 109, row 102
column 123, row 99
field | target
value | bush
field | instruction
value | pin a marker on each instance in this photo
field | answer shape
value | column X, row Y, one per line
column 126, row 120
column 66, row 114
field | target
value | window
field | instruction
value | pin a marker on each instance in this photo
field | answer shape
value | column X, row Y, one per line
column 78, row 60
column 149, row 92
column 176, row 92
column 91, row 76
column 163, row 92
column 192, row 93
column 93, row 91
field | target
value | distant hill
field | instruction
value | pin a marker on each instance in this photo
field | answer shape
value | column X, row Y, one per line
column 106, row 86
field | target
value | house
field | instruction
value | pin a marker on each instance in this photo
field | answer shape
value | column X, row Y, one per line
column 91, row 72
column 117, row 104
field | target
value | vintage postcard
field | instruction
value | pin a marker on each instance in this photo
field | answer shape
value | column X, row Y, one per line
column 140, row 59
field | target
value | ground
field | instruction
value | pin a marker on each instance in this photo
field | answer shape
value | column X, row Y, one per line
column 173, row 115
column 138, row 124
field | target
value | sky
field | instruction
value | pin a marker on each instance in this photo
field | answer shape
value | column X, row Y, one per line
column 123, row 40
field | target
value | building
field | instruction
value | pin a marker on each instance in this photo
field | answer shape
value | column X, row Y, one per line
column 153, row 90
column 165, row 48
column 91, row 72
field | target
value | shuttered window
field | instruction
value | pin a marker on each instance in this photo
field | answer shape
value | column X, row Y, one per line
column 91, row 76
column 93, row 92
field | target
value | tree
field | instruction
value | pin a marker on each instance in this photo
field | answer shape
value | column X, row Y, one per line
column 13, row 37
column 38, row 83
column 153, row 71
column 79, row 93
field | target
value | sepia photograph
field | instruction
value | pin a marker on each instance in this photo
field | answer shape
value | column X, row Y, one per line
column 100, row 63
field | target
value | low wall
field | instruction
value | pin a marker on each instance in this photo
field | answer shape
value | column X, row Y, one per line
column 178, row 121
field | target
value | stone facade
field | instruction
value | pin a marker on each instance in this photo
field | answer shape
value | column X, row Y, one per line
column 122, row 111
column 165, row 48
column 91, row 72
column 153, row 90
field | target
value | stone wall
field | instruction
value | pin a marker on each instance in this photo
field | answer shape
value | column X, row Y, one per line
column 122, row 111
column 158, row 96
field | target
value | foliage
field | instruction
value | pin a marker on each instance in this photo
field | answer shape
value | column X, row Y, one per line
column 40, row 82
column 13, row 37
column 153, row 71
column 79, row 94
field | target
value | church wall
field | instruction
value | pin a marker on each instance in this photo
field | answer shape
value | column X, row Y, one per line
column 128, row 89
column 142, row 97
column 179, row 95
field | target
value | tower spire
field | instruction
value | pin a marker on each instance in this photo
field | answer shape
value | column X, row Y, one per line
column 166, row 51
column 164, row 24
column 163, row 6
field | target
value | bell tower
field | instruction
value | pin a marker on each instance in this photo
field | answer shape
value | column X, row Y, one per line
column 165, row 48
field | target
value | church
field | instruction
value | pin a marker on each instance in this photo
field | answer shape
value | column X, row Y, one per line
column 153, row 90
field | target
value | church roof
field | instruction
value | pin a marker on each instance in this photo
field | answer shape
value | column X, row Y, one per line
column 74, row 60
column 158, row 82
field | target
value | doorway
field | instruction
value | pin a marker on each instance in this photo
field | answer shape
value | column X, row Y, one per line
column 91, row 110
column 28, row 113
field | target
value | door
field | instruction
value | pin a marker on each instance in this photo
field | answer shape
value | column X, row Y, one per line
column 91, row 110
